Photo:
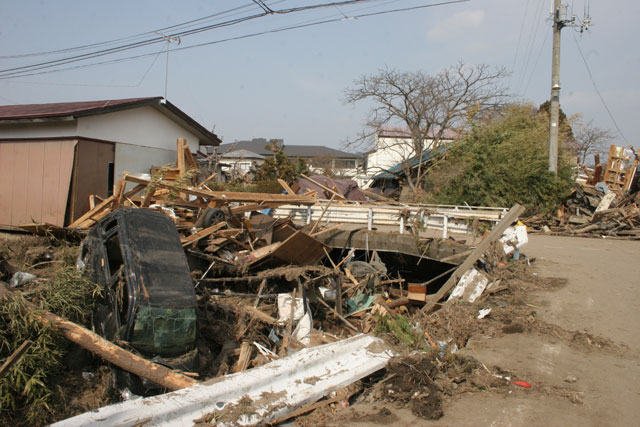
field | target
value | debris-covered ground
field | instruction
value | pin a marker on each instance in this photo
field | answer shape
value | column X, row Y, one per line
column 558, row 336
column 265, row 289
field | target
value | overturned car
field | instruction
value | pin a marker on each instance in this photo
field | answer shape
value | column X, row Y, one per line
column 148, row 301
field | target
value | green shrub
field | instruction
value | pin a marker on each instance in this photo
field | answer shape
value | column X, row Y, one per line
column 500, row 163
column 26, row 394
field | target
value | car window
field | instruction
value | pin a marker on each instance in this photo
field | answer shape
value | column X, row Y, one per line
column 113, row 253
column 164, row 331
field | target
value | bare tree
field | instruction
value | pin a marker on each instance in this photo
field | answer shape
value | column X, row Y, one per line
column 428, row 106
column 588, row 139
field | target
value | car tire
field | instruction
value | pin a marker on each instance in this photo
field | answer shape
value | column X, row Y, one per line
column 213, row 216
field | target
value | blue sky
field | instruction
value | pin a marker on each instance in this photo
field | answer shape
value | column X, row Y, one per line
column 290, row 84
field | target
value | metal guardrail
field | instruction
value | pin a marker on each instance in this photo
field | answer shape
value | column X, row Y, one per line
column 447, row 218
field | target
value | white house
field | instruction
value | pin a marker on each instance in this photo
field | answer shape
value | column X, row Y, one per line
column 53, row 156
column 393, row 146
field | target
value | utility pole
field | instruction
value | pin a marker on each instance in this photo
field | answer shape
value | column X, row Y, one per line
column 554, row 107
column 559, row 14
column 169, row 40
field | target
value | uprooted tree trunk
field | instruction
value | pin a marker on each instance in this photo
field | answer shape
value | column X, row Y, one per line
column 107, row 350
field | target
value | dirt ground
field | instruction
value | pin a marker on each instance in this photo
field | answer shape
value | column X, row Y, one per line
column 571, row 384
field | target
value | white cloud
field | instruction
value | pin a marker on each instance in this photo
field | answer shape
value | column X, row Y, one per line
column 457, row 24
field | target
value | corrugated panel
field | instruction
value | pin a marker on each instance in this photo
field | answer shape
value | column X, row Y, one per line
column 63, row 108
column 34, row 181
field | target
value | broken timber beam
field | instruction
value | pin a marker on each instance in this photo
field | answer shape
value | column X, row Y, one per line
column 324, row 187
column 110, row 352
column 286, row 187
column 202, row 233
column 494, row 235
column 228, row 196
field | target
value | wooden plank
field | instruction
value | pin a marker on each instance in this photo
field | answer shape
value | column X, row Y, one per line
column 326, row 230
column 324, row 187
column 494, row 235
column 257, row 314
column 246, row 350
column 345, row 321
column 224, row 196
column 101, row 206
column 322, row 215
column 202, row 233
column 117, row 195
column 263, row 284
column 180, row 163
column 286, row 187
column 300, row 249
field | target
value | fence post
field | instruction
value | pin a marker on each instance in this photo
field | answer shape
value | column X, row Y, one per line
column 445, row 226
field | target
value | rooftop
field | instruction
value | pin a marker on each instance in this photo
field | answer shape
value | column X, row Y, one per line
column 74, row 110
column 258, row 145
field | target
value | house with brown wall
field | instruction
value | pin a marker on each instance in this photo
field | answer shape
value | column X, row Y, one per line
column 53, row 156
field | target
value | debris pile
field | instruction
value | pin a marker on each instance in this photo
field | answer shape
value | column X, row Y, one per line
column 270, row 292
column 605, row 203
column 591, row 213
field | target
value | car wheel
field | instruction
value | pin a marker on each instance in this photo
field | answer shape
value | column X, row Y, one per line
column 213, row 216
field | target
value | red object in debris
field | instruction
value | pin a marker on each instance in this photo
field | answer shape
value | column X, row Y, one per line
column 522, row 384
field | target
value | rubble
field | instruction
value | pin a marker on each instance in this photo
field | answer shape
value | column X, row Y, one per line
column 603, row 205
column 271, row 293
column 588, row 212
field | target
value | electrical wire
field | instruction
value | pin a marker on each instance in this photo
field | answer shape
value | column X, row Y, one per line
column 524, row 18
column 532, row 39
column 133, row 37
column 606, row 107
column 535, row 65
column 245, row 36
column 158, row 39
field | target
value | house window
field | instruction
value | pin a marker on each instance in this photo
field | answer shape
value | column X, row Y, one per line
column 345, row 164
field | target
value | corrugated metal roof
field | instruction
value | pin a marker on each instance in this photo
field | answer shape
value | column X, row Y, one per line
column 29, row 111
column 258, row 145
column 88, row 108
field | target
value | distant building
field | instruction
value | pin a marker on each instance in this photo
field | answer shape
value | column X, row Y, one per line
column 53, row 156
column 392, row 147
column 319, row 158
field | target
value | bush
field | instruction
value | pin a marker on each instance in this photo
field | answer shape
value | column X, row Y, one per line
column 26, row 390
column 500, row 163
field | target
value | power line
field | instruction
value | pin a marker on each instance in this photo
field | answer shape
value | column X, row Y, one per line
column 535, row 65
column 529, row 47
column 132, row 37
column 606, row 107
column 53, row 63
column 251, row 35
column 524, row 18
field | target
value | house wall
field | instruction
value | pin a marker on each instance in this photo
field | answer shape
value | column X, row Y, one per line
column 90, row 175
column 143, row 126
column 48, row 129
column 137, row 159
column 389, row 152
column 34, row 181
column 240, row 165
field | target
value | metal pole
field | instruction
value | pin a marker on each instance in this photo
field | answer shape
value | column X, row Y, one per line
column 554, row 107
column 166, row 69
